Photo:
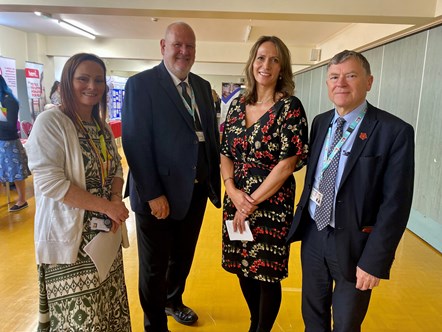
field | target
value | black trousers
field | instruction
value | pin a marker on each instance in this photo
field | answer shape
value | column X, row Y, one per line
column 324, row 287
column 166, row 249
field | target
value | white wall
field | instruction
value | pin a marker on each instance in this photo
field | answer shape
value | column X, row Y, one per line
column 13, row 44
column 122, row 57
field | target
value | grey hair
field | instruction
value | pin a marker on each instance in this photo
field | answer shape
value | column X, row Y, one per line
column 345, row 55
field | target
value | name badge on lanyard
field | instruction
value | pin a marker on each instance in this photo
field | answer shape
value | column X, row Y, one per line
column 192, row 111
column 200, row 136
column 316, row 195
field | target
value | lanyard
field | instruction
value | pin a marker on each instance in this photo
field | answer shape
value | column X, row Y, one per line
column 191, row 110
column 103, row 156
column 329, row 157
column 3, row 110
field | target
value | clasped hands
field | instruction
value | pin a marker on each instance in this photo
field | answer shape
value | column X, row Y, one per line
column 245, row 206
column 117, row 212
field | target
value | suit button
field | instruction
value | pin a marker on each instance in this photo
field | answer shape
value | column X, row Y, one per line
column 195, row 142
column 194, row 167
column 339, row 201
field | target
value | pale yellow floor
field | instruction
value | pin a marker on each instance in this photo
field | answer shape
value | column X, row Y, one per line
column 410, row 302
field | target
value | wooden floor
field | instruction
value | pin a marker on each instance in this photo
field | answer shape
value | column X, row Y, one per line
column 410, row 302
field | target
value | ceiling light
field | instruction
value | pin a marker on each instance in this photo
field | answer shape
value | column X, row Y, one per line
column 45, row 15
column 68, row 26
column 248, row 31
column 75, row 29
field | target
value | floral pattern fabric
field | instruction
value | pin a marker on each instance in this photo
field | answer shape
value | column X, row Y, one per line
column 279, row 134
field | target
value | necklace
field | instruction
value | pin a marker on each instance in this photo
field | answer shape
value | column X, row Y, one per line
column 264, row 101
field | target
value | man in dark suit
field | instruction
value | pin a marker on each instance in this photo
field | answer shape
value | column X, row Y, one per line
column 351, row 222
column 171, row 142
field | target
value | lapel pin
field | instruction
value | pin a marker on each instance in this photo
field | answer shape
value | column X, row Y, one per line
column 363, row 136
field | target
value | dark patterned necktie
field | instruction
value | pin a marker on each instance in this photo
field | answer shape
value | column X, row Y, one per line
column 328, row 182
column 194, row 114
column 185, row 94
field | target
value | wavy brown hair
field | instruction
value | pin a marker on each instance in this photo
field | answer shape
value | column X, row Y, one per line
column 284, row 84
column 68, row 103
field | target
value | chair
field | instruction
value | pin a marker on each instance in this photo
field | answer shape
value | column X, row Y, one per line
column 26, row 127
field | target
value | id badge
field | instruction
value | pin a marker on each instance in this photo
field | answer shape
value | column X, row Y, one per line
column 316, row 197
column 98, row 224
column 200, row 135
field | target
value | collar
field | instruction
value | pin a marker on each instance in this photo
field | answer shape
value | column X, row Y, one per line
column 175, row 79
column 350, row 117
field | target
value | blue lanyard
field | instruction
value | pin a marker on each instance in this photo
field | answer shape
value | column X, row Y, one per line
column 329, row 157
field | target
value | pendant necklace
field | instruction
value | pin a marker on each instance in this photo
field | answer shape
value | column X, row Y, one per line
column 264, row 101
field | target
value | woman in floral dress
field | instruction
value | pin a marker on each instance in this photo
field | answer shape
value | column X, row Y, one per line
column 264, row 142
column 78, row 181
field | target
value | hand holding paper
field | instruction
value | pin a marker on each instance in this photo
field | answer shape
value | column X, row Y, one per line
column 244, row 236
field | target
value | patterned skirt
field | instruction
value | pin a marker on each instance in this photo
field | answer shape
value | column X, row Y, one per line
column 73, row 299
column 13, row 161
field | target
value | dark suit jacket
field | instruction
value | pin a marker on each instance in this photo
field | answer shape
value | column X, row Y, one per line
column 160, row 143
column 375, row 192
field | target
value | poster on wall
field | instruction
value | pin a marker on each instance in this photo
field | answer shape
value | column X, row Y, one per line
column 115, row 96
column 35, row 87
column 229, row 92
column 8, row 71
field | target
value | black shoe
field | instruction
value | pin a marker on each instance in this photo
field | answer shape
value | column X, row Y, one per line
column 182, row 314
column 16, row 208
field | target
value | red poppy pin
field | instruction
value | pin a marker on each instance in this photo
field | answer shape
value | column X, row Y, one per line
column 363, row 136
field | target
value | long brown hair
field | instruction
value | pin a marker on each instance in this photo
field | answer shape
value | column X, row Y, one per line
column 284, row 85
column 68, row 104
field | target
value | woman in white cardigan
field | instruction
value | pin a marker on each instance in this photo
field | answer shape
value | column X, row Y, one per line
column 78, row 182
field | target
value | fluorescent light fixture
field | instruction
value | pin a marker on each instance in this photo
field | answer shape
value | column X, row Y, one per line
column 248, row 31
column 68, row 26
column 74, row 28
column 44, row 15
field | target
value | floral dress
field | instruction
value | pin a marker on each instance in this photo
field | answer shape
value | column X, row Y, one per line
column 279, row 134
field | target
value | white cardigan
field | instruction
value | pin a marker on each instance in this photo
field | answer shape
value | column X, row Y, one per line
column 56, row 161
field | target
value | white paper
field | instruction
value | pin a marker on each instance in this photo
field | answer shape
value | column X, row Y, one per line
column 124, row 235
column 246, row 235
column 103, row 249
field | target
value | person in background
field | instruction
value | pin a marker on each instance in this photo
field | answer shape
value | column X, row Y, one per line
column 55, row 94
column 356, row 200
column 13, row 159
column 78, row 182
column 216, row 101
column 264, row 142
column 171, row 142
